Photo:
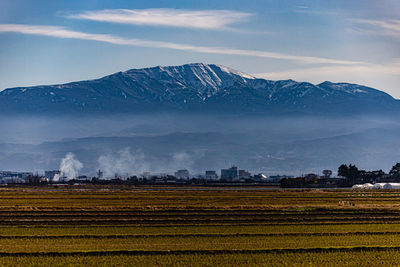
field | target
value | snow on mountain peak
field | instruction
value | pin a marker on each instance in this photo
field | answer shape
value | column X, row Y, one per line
column 207, row 79
column 347, row 88
column 193, row 87
column 235, row 72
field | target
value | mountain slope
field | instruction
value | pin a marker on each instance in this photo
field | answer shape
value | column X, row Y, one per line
column 194, row 87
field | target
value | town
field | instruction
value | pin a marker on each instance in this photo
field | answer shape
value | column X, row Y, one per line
column 347, row 176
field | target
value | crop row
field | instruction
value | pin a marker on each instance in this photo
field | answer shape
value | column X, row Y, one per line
column 203, row 212
column 131, row 199
column 357, row 258
column 203, row 235
column 198, row 243
column 209, row 229
column 180, row 221
column 241, row 227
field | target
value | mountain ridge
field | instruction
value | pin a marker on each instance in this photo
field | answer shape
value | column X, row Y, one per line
column 194, row 87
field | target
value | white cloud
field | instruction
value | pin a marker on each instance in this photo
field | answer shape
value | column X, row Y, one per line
column 61, row 32
column 384, row 77
column 312, row 11
column 200, row 19
column 381, row 27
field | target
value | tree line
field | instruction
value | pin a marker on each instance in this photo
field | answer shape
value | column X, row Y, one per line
column 354, row 175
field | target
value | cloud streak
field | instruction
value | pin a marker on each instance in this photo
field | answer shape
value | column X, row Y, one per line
column 198, row 19
column 381, row 27
column 61, row 32
column 392, row 68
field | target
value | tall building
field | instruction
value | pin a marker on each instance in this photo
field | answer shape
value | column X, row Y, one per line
column 211, row 175
column 182, row 174
column 229, row 174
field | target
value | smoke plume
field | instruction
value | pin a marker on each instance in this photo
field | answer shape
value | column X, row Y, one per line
column 69, row 167
column 124, row 162
column 127, row 162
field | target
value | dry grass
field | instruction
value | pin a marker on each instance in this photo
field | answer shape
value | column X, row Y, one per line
column 102, row 219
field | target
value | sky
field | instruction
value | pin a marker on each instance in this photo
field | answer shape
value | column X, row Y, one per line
column 48, row 42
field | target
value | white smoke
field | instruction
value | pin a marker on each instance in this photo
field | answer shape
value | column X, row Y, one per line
column 124, row 162
column 69, row 167
column 184, row 160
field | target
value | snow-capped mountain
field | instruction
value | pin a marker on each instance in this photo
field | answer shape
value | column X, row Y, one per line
column 194, row 87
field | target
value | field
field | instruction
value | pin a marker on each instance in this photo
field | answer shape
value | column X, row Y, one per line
column 195, row 226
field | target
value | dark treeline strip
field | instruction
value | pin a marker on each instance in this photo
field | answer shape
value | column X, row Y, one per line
column 202, row 217
column 132, row 196
column 209, row 213
column 184, row 220
column 198, row 252
column 205, row 214
column 177, row 223
column 94, row 225
column 266, row 199
column 174, row 223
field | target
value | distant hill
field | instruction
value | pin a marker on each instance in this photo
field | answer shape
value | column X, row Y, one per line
column 194, row 88
column 370, row 149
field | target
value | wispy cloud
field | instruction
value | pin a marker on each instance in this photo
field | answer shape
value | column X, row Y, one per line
column 381, row 27
column 61, row 32
column 392, row 68
column 311, row 11
column 303, row 7
column 199, row 19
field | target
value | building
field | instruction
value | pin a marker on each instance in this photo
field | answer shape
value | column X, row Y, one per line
column 310, row 177
column 229, row 174
column 260, row 177
column 50, row 174
column 331, row 182
column 146, row 175
column 14, row 177
column 21, row 175
column 211, row 175
column 82, row 178
column 278, row 178
column 182, row 174
column 35, row 179
column 244, row 174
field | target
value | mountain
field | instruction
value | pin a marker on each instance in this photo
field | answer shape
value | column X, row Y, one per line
column 194, row 88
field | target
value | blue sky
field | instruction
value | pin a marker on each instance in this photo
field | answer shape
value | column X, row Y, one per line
column 46, row 42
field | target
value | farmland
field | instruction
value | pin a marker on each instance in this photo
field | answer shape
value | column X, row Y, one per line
column 183, row 226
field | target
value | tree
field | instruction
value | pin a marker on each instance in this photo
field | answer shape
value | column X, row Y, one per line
column 343, row 170
column 370, row 176
column 327, row 173
column 395, row 171
column 351, row 172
